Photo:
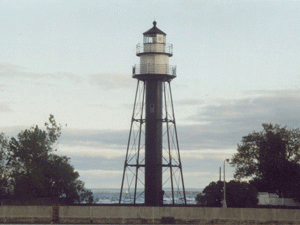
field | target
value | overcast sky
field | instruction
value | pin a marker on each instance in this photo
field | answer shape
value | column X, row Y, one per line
column 237, row 67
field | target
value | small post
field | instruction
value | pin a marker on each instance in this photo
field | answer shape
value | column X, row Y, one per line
column 224, row 200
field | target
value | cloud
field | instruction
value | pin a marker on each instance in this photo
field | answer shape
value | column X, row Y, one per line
column 11, row 71
column 80, row 151
column 196, row 173
column 101, row 178
column 2, row 87
column 222, row 124
column 112, row 139
column 109, row 81
column 211, row 137
column 101, row 173
column 98, row 156
column 209, row 154
column 217, row 126
column 106, row 81
column 192, row 102
column 8, row 69
column 4, row 107
column 64, row 75
column 281, row 107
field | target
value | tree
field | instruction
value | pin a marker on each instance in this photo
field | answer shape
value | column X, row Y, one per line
column 63, row 181
column 37, row 172
column 212, row 195
column 4, row 184
column 238, row 194
column 241, row 194
column 270, row 159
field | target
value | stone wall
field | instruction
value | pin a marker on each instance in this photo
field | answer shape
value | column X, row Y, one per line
column 25, row 214
column 196, row 215
column 265, row 198
column 143, row 215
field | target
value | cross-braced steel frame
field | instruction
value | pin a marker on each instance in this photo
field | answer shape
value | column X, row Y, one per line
column 133, row 180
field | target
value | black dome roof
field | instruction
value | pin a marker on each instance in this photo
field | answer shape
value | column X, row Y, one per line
column 154, row 30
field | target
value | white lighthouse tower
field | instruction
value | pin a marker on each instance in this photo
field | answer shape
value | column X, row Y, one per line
column 152, row 168
column 154, row 53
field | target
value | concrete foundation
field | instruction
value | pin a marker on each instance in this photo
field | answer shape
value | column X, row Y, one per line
column 144, row 215
column 25, row 214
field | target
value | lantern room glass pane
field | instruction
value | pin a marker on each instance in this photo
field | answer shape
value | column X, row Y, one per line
column 150, row 39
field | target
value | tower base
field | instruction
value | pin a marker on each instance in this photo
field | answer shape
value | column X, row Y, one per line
column 167, row 186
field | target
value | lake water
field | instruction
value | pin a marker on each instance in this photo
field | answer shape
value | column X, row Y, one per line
column 111, row 196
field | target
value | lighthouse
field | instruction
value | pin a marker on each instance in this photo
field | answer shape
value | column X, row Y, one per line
column 152, row 168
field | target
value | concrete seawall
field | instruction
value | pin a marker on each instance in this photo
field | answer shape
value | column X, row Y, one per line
column 25, row 214
column 140, row 214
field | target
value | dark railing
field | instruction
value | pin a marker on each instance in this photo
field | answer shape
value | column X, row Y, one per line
column 163, row 69
column 154, row 48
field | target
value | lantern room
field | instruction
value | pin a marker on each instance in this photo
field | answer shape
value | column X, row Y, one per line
column 154, row 35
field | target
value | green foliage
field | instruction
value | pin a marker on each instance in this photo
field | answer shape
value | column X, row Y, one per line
column 270, row 158
column 4, row 181
column 35, row 171
column 212, row 195
column 241, row 194
column 238, row 194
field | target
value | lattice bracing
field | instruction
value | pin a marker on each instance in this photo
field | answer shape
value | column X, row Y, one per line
column 133, row 182
column 134, row 167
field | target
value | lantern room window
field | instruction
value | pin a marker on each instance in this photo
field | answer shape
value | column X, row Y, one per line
column 149, row 39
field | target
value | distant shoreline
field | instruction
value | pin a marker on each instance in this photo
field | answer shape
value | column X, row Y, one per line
column 139, row 189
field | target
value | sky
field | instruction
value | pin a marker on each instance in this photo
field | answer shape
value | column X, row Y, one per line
column 237, row 67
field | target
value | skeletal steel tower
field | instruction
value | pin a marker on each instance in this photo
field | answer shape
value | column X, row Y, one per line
column 152, row 169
